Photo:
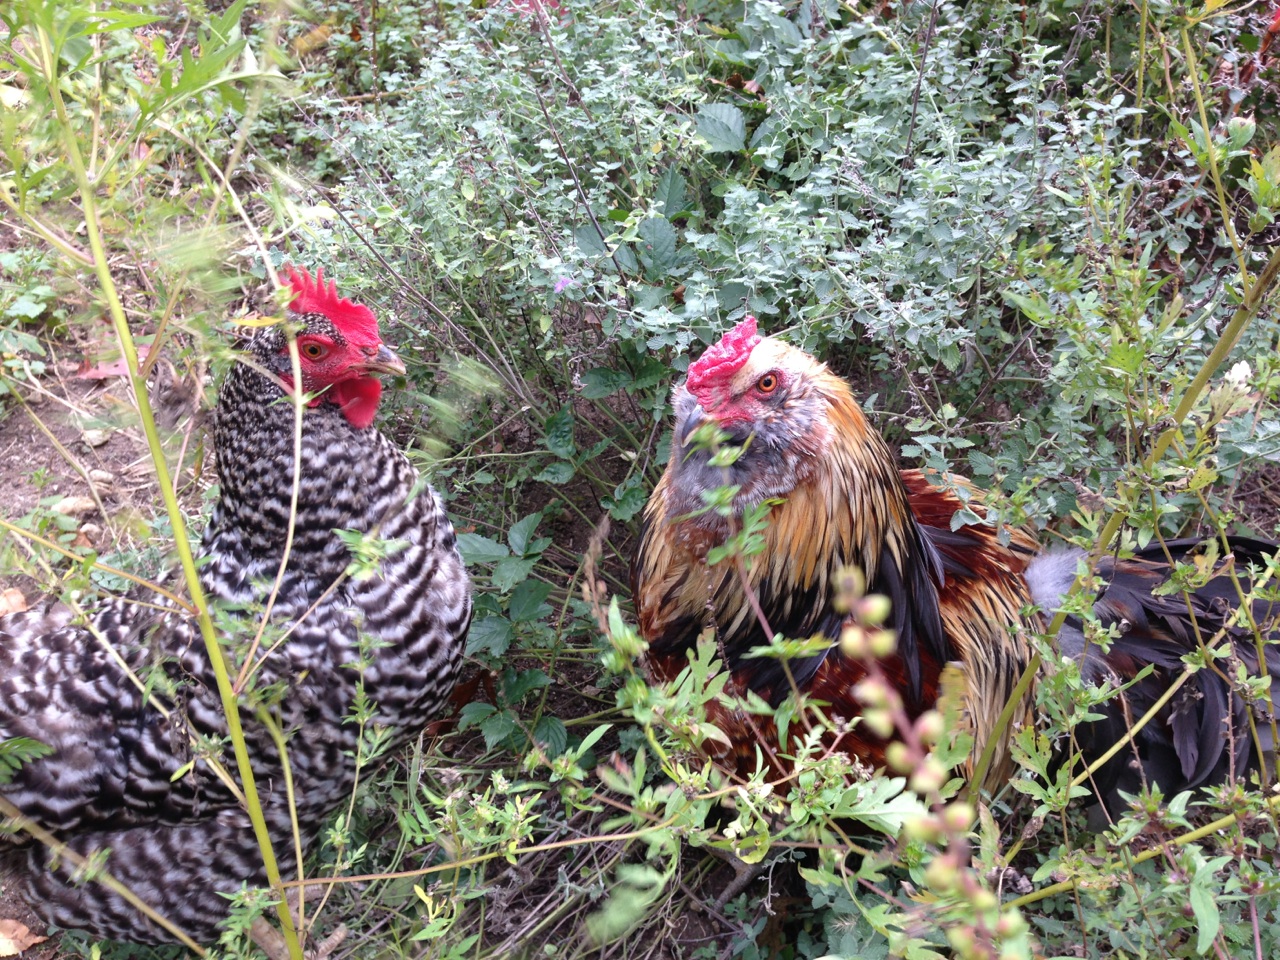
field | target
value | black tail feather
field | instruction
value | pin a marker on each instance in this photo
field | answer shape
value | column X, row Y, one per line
column 1201, row 735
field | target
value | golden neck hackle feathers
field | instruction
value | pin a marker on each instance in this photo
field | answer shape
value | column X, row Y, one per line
column 846, row 506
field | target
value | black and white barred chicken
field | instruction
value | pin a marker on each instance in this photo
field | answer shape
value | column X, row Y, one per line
column 139, row 756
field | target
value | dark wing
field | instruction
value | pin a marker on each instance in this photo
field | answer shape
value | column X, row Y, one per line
column 1201, row 736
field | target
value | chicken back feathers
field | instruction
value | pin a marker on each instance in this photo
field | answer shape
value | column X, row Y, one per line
column 117, row 782
column 958, row 595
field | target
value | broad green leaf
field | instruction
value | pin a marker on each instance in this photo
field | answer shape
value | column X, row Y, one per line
column 510, row 571
column 558, row 433
column 473, row 713
column 723, row 126
column 492, row 635
column 477, row 549
column 658, row 245
column 559, row 472
column 497, row 727
column 670, row 195
column 520, row 532
column 527, row 600
column 602, row 381
column 551, row 733
column 627, row 500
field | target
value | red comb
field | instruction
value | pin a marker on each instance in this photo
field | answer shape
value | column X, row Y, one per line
column 722, row 360
column 313, row 295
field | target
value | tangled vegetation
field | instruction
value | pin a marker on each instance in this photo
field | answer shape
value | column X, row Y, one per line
column 1038, row 237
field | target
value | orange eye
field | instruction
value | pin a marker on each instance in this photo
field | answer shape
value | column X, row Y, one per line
column 768, row 383
column 312, row 350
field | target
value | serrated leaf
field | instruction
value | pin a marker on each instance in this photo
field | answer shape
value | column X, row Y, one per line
column 658, row 245
column 723, row 126
column 477, row 549
column 626, row 502
column 474, row 713
column 527, row 600
column 497, row 727
column 882, row 804
column 1126, row 358
column 517, row 686
column 551, row 733
column 670, row 195
column 602, row 381
column 492, row 635
column 589, row 241
column 510, row 571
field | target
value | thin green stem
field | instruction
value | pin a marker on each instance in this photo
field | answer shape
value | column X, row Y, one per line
column 182, row 544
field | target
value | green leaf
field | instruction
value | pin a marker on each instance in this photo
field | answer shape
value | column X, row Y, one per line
column 558, row 433
column 1036, row 307
column 628, row 499
column 637, row 888
column 670, row 195
column 17, row 751
column 589, row 241
column 497, row 727
column 223, row 28
column 880, row 803
column 559, row 472
column 1204, row 475
column 602, row 381
column 106, row 20
column 26, row 307
column 723, row 126
column 658, row 245
column 477, row 549
column 527, row 601
column 520, row 532
column 492, row 635
column 1205, row 909
column 518, row 685
column 510, row 571
column 551, row 733
column 473, row 713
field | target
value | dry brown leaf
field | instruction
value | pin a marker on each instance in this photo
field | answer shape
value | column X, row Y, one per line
column 12, row 601
column 15, row 938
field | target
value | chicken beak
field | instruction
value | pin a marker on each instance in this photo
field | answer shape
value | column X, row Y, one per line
column 695, row 419
column 385, row 361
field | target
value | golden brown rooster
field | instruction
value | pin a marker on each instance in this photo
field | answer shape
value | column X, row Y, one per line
column 956, row 595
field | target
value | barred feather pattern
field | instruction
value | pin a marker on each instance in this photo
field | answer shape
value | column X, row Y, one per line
column 118, row 781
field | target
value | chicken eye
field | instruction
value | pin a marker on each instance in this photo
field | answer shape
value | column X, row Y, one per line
column 768, row 383
column 312, row 350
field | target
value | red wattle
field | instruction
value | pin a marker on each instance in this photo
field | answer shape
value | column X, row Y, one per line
column 358, row 399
